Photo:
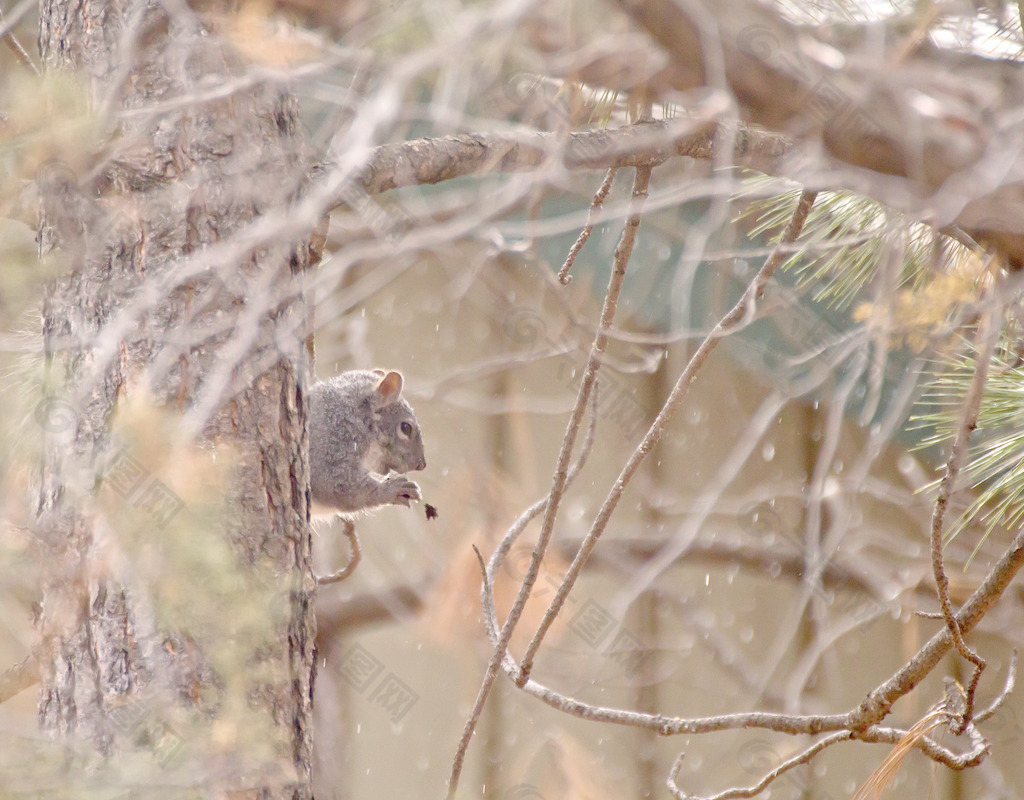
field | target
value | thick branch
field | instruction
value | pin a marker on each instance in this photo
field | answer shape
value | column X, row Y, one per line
column 957, row 143
column 428, row 161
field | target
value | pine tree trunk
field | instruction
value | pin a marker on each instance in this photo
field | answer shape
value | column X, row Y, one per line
column 174, row 286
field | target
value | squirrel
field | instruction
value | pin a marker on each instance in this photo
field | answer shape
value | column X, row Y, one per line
column 362, row 436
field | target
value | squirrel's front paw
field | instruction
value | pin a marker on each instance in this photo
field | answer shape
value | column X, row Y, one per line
column 401, row 491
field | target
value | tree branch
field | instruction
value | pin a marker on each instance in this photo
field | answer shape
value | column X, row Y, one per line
column 760, row 786
column 428, row 161
column 954, row 148
column 743, row 308
column 623, row 252
column 984, row 344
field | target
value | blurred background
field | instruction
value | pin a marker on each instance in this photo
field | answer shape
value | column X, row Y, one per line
column 771, row 554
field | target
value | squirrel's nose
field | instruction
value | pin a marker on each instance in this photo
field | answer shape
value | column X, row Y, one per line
column 422, row 464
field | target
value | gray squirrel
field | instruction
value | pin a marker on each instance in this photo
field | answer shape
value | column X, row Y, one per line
column 362, row 435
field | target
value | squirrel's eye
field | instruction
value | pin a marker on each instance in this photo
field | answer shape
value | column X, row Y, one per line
column 406, row 428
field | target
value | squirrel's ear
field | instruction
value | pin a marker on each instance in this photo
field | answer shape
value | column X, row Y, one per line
column 379, row 371
column 390, row 388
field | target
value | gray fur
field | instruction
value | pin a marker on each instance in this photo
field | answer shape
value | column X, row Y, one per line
column 357, row 448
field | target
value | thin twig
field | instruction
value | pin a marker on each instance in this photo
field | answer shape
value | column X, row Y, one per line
column 514, row 531
column 563, row 274
column 487, row 597
column 15, row 47
column 1011, row 677
column 622, row 255
column 750, row 791
column 500, row 641
column 10, row 21
column 743, row 309
column 863, row 719
column 984, row 344
column 355, row 554
column 792, row 724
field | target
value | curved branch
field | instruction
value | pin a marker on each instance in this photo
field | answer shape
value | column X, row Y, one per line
column 743, row 309
column 985, row 341
column 648, row 143
column 760, row 786
column 952, row 150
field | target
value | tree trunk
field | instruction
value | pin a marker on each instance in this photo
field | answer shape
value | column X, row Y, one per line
column 176, row 294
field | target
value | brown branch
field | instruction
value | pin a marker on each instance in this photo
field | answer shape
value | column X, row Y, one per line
column 487, row 593
column 984, row 344
column 606, row 186
column 429, row 161
column 992, row 218
column 743, row 309
column 760, row 786
column 872, row 709
column 623, row 252
column 859, row 109
column 338, row 613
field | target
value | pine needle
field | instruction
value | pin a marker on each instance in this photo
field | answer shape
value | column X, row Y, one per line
column 885, row 774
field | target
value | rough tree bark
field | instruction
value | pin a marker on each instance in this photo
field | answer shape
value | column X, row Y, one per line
column 168, row 286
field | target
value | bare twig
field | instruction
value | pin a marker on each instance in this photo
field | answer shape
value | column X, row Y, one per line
column 514, row 531
column 355, row 554
column 9, row 21
column 863, row 719
column 750, row 791
column 877, row 704
column 984, row 344
column 487, row 598
column 740, row 312
column 877, row 734
column 1011, row 677
column 559, row 481
column 15, row 46
column 606, row 186
column 623, row 252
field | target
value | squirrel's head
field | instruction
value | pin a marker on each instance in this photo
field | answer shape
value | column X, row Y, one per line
column 400, row 438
